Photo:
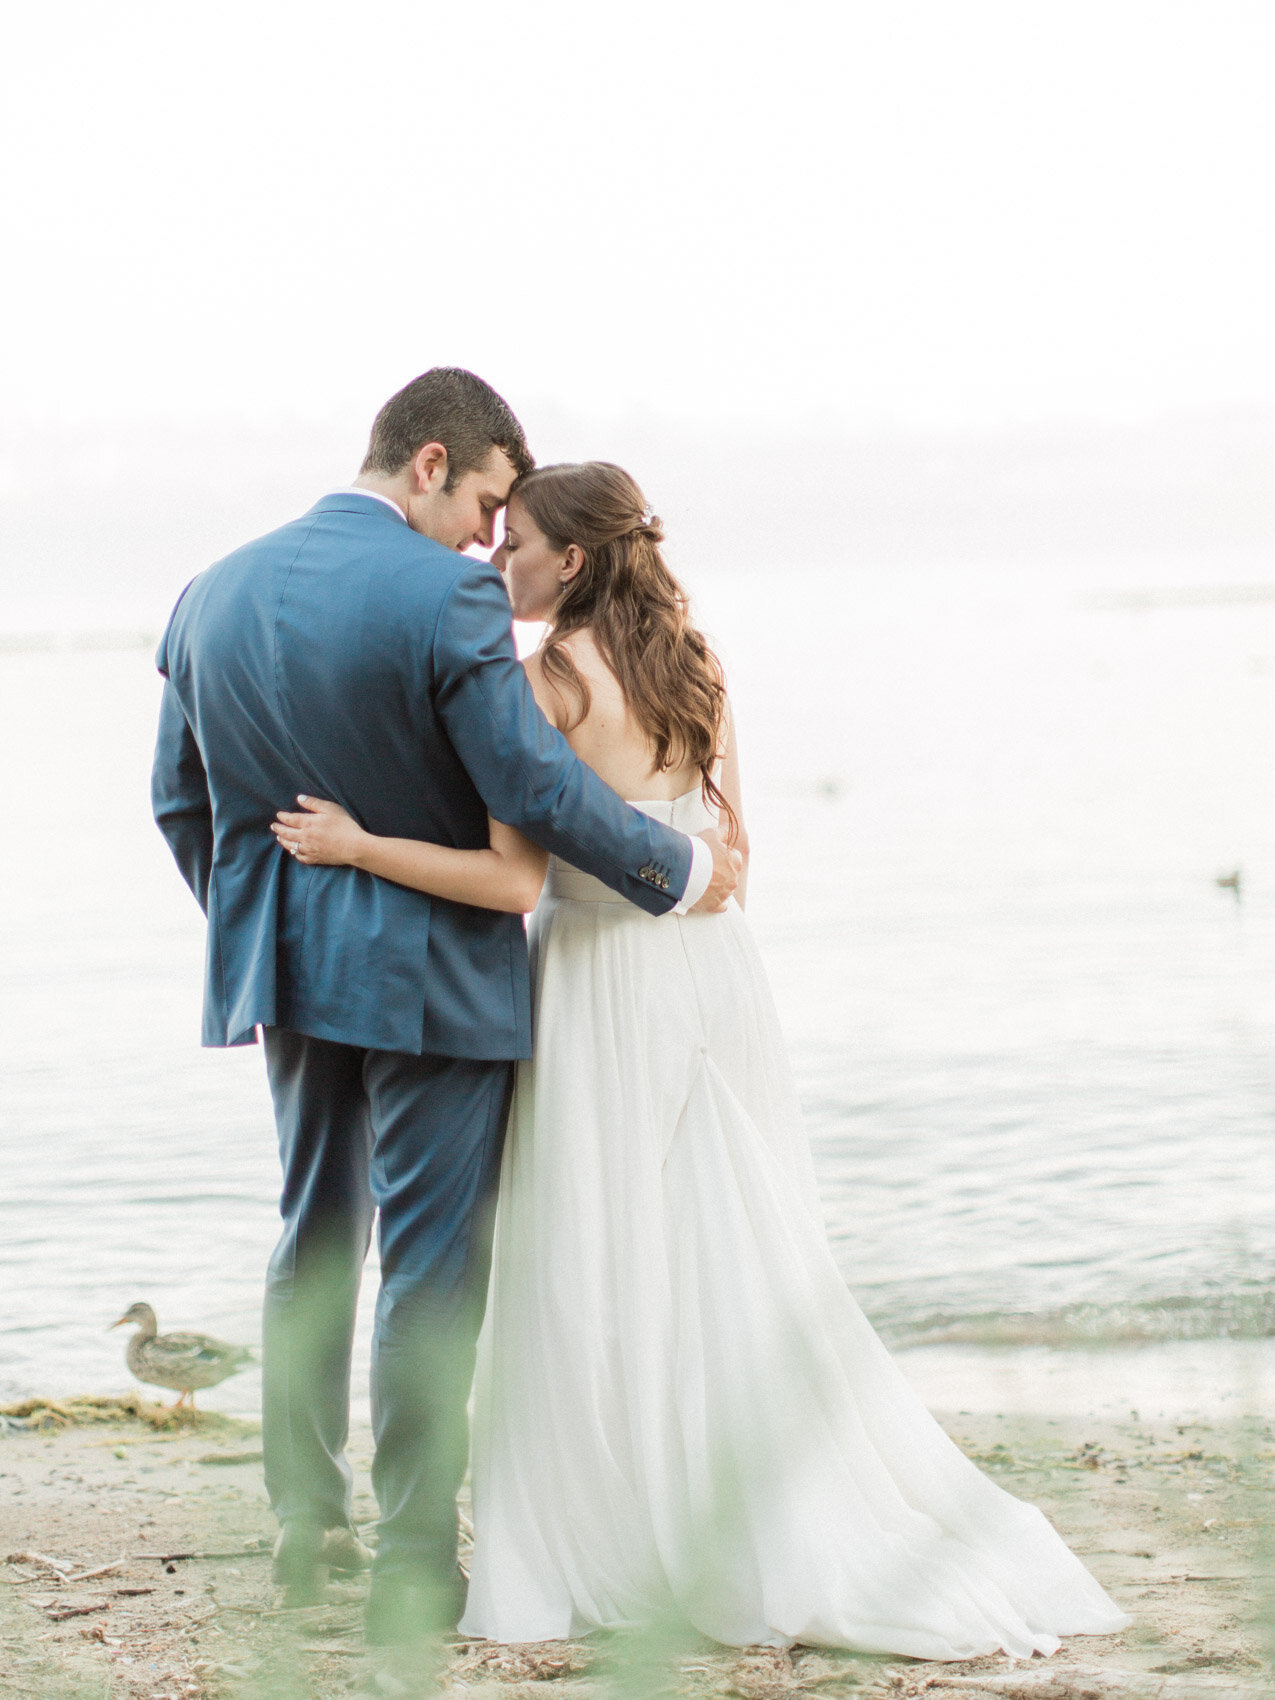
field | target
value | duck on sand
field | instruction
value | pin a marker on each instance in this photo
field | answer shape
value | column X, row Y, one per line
column 181, row 1361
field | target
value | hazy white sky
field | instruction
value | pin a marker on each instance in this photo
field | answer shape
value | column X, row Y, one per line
column 905, row 211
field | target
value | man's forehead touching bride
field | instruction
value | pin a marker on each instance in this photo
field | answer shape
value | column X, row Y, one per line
column 447, row 456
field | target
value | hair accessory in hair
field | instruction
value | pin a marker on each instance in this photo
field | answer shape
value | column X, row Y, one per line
column 648, row 514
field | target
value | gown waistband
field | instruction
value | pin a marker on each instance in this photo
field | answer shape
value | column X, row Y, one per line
column 564, row 881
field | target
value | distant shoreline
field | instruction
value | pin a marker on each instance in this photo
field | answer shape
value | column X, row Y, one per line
column 1142, row 599
column 1210, row 1380
column 77, row 640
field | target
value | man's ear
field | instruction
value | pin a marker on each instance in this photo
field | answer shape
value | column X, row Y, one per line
column 572, row 564
column 429, row 467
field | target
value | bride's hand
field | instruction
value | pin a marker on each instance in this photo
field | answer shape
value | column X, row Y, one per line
column 325, row 833
column 726, row 869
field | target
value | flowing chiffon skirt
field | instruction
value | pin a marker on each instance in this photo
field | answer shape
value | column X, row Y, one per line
column 680, row 1409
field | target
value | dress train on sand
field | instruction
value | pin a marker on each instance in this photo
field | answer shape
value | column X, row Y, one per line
column 680, row 1409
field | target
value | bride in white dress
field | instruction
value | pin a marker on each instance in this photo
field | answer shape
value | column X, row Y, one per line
column 680, row 1410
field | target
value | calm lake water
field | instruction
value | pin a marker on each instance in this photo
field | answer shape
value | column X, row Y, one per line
column 1032, row 1032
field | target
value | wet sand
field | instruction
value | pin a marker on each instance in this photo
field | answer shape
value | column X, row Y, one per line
column 97, row 1600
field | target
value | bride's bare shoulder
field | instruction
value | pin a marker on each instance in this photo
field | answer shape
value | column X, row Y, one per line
column 558, row 701
column 582, row 647
column 546, row 690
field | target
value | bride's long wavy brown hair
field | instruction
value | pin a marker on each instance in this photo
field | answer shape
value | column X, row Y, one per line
column 638, row 613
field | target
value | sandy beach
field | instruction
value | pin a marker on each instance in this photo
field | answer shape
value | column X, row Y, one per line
column 135, row 1564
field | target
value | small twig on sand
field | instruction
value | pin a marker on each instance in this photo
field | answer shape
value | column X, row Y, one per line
column 136, row 1440
column 181, row 1557
column 42, row 1558
column 60, row 1610
column 278, row 1611
column 102, row 1570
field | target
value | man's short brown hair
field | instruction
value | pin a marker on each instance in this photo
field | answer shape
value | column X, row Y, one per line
column 450, row 406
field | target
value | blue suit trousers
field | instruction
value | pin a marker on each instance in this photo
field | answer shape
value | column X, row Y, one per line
column 416, row 1139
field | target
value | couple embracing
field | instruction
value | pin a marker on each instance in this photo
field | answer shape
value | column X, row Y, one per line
column 679, row 1410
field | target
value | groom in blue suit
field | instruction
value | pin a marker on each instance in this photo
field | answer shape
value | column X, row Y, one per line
column 358, row 654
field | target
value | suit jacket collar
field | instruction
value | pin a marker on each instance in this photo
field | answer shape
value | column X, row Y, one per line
column 357, row 502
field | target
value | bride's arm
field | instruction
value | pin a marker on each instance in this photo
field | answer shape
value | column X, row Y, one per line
column 507, row 875
column 728, row 785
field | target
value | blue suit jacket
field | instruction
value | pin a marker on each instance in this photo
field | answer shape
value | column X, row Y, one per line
column 348, row 657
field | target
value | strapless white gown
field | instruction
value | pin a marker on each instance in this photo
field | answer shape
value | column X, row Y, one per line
column 680, row 1409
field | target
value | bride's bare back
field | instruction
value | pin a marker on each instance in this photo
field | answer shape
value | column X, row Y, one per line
column 609, row 737
column 615, row 746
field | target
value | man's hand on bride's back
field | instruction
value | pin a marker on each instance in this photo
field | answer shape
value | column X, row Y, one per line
column 726, row 869
column 324, row 833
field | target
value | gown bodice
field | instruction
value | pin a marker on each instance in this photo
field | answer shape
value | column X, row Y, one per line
column 689, row 813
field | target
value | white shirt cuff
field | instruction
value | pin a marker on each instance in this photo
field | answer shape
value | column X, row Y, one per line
column 697, row 882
